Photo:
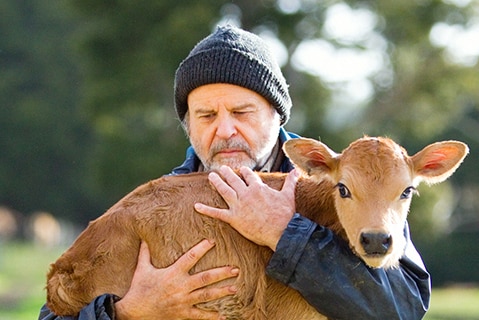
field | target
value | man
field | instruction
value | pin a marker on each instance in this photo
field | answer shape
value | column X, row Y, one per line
column 232, row 100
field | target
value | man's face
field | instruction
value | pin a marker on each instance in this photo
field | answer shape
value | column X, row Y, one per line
column 231, row 125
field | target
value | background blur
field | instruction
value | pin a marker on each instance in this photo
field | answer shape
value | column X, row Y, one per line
column 86, row 102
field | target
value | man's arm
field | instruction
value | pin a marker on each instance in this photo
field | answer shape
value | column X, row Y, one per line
column 320, row 265
column 170, row 292
column 100, row 309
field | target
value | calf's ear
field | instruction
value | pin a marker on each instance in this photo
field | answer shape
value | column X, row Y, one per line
column 311, row 156
column 438, row 161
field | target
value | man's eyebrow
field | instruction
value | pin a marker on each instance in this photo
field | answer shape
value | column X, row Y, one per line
column 203, row 110
column 239, row 107
column 242, row 106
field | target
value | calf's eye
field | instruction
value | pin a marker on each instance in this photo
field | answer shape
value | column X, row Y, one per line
column 408, row 192
column 343, row 191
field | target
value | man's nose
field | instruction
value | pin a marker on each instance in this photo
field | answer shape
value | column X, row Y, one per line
column 226, row 127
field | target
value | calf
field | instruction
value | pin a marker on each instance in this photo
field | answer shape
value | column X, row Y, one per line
column 362, row 194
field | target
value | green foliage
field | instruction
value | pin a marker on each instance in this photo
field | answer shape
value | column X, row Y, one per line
column 43, row 133
column 453, row 258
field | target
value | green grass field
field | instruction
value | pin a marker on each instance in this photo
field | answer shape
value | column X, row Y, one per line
column 22, row 279
column 454, row 304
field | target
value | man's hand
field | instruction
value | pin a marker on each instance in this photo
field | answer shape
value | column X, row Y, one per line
column 257, row 211
column 172, row 293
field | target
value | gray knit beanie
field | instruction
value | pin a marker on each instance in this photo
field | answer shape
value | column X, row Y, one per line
column 232, row 55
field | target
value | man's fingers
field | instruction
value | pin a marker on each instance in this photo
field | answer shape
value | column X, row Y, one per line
column 228, row 193
column 192, row 256
column 144, row 258
column 231, row 178
column 216, row 213
column 291, row 180
column 211, row 276
column 210, row 294
column 249, row 176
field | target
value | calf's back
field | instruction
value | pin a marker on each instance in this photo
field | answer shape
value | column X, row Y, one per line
column 160, row 212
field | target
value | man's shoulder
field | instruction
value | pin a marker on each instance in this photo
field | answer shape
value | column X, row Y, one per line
column 287, row 135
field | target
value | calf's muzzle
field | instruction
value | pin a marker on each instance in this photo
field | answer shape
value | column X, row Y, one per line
column 376, row 243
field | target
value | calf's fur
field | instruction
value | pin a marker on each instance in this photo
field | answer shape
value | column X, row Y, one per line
column 161, row 212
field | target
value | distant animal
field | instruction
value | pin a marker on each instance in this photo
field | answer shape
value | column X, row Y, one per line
column 363, row 194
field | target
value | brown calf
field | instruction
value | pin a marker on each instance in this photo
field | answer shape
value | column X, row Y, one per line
column 362, row 194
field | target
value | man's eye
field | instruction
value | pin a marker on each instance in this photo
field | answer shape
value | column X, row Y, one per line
column 207, row 116
column 241, row 113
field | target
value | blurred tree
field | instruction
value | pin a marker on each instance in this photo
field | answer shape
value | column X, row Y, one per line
column 131, row 51
column 44, row 136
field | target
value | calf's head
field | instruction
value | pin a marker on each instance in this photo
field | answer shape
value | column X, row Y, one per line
column 374, row 180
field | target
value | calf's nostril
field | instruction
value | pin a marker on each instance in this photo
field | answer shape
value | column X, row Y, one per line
column 376, row 243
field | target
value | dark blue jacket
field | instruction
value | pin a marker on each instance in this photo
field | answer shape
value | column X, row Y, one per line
column 320, row 265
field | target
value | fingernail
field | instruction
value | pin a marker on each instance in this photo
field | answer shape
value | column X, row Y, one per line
column 211, row 241
column 212, row 175
column 235, row 271
column 233, row 289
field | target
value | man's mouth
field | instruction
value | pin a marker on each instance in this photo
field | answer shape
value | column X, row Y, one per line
column 229, row 152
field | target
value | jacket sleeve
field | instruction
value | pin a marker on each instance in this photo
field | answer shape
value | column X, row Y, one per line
column 322, row 268
column 102, row 308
